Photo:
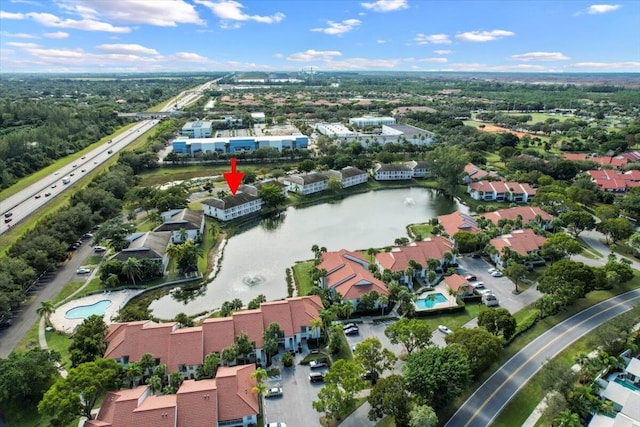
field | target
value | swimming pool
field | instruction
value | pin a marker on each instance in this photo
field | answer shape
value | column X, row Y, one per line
column 84, row 311
column 627, row 384
column 424, row 303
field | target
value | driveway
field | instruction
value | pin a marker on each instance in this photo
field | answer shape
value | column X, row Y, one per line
column 47, row 290
column 486, row 403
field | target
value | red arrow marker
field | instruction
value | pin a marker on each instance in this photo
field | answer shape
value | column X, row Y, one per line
column 233, row 178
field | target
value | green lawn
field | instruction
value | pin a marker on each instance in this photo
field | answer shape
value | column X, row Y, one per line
column 68, row 289
column 209, row 240
column 424, row 229
column 60, row 342
column 541, row 117
column 302, row 277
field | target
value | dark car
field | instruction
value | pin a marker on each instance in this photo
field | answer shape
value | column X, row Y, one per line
column 47, row 194
column 8, row 220
column 110, row 151
column 352, row 331
column 71, row 248
column 8, row 214
column 38, row 196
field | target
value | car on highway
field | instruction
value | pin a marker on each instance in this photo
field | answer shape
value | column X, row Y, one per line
column 47, row 194
column 83, row 157
column 83, row 270
column 8, row 220
column 75, row 166
column 54, row 186
column 8, row 214
column 110, row 151
column 83, row 170
column 273, row 392
column 71, row 174
column 38, row 196
column 444, row 329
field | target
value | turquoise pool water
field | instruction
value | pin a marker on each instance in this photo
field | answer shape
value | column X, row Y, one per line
column 626, row 384
column 84, row 311
column 423, row 303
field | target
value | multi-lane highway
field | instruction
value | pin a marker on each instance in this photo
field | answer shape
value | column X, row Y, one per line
column 486, row 403
column 22, row 204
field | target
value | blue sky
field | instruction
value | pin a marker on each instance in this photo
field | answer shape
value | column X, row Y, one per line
column 445, row 35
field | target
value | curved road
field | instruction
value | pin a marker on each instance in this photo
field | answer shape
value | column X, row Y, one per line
column 493, row 395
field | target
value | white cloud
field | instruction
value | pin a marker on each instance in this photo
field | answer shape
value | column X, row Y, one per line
column 230, row 10
column 443, row 52
column 498, row 68
column 540, row 56
column 386, row 5
column 606, row 65
column 23, row 45
column 483, row 36
column 381, row 41
column 49, row 20
column 278, row 55
column 18, row 35
column 56, row 35
column 596, row 9
column 433, row 38
column 437, row 59
column 158, row 13
column 313, row 55
column 360, row 64
column 133, row 49
column 11, row 15
column 338, row 28
column 190, row 57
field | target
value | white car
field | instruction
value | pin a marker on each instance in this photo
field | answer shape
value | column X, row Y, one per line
column 478, row 285
column 444, row 329
column 274, row 392
column 492, row 270
column 485, row 291
column 83, row 270
column 496, row 274
column 315, row 364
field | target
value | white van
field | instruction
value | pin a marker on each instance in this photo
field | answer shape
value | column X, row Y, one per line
column 490, row 300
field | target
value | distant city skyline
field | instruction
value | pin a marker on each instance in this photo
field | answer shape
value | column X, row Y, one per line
column 328, row 35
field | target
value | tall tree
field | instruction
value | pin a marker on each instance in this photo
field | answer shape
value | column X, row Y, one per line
column 25, row 377
column 87, row 343
column 132, row 268
column 578, row 221
column 413, row 334
column 45, row 309
column 374, row 358
column 446, row 163
column 515, row 271
column 390, row 397
column 260, row 375
column 498, row 321
column 342, row 382
column 481, row 347
column 209, row 366
column 423, row 416
column 77, row 394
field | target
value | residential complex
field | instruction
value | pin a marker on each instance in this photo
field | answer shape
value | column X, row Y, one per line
column 526, row 214
column 456, row 222
column 238, row 144
column 615, row 182
column 184, row 349
column 310, row 183
column 390, row 134
column 227, row 400
column 474, row 173
column 232, row 206
column 149, row 245
column 392, row 172
column 418, row 169
column 348, row 274
column 501, row 191
column 622, row 389
column 183, row 224
column 349, row 176
column 523, row 242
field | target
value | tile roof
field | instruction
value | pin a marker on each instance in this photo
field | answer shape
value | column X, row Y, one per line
column 198, row 403
column 347, row 274
column 218, row 334
column 521, row 241
column 528, row 213
column 383, row 167
column 182, row 218
column 231, row 201
column 607, row 179
column 250, row 322
column 455, row 282
column 235, row 386
column 458, row 221
column 476, row 173
column 398, row 258
column 186, row 347
column 503, row 187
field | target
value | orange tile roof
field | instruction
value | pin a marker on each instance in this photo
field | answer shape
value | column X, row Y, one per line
column 399, row 257
column 157, row 402
column 304, row 310
column 218, row 334
column 458, row 221
column 528, row 213
column 198, row 403
column 455, row 282
column 347, row 274
column 186, row 347
column 235, row 384
column 278, row 312
column 607, row 179
column 521, row 241
column 250, row 322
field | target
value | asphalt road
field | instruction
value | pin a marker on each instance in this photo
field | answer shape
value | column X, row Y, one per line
column 24, row 320
column 494, row 394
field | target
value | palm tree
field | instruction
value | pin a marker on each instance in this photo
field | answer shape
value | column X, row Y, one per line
column 382, row 302
column 182, row 233
column 317, row 324
column 431, row 276
column 147, row 362
column 132, row 372
column 45, row 309
column 132, row 268
column 372, row 253
column 346, row 309
column 174, row 251
column 260, row 388
column 327, row 317
column 567, row 418
column 155, row 383
column 454, row 294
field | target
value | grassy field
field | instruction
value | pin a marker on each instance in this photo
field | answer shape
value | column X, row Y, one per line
column 422, row 229
column 208, row 242
column 541, row 117
column 302, row 277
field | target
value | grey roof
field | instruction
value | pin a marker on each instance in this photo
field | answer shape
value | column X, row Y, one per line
column 383, row 167
column 350, row 171
column 312, row 177
column 183, row 218
column 231, row 201
column 409, row 131
column 151, row 245
column 417, row 165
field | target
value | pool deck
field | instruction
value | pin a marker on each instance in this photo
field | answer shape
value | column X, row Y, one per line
column 440, row 288
column 118, row 300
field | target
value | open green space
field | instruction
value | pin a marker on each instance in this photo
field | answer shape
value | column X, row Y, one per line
column 302, row 277
column 542, row 117
column 60, row 342
column 423, row 230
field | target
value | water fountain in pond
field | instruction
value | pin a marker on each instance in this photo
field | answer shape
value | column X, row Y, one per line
column 409, row 201
column 251, row 279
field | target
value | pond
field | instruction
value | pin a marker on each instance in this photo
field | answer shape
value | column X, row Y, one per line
column 255, row 260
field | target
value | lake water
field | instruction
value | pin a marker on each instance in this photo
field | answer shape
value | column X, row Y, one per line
column 255, row 260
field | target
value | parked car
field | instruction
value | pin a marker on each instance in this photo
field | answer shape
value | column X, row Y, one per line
column 444, row 329
column 317, row 364
column 315, row 377
column 490, row 300
column 87, row 236
column 83, row 270
column 274, row 392
column 479, row 285
column 278, row 424
column 71, row 248
column 99, row 249
column 352, row 331
column 491, row 270
column 496, row 274
column 349, row 326
column 471, row 278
